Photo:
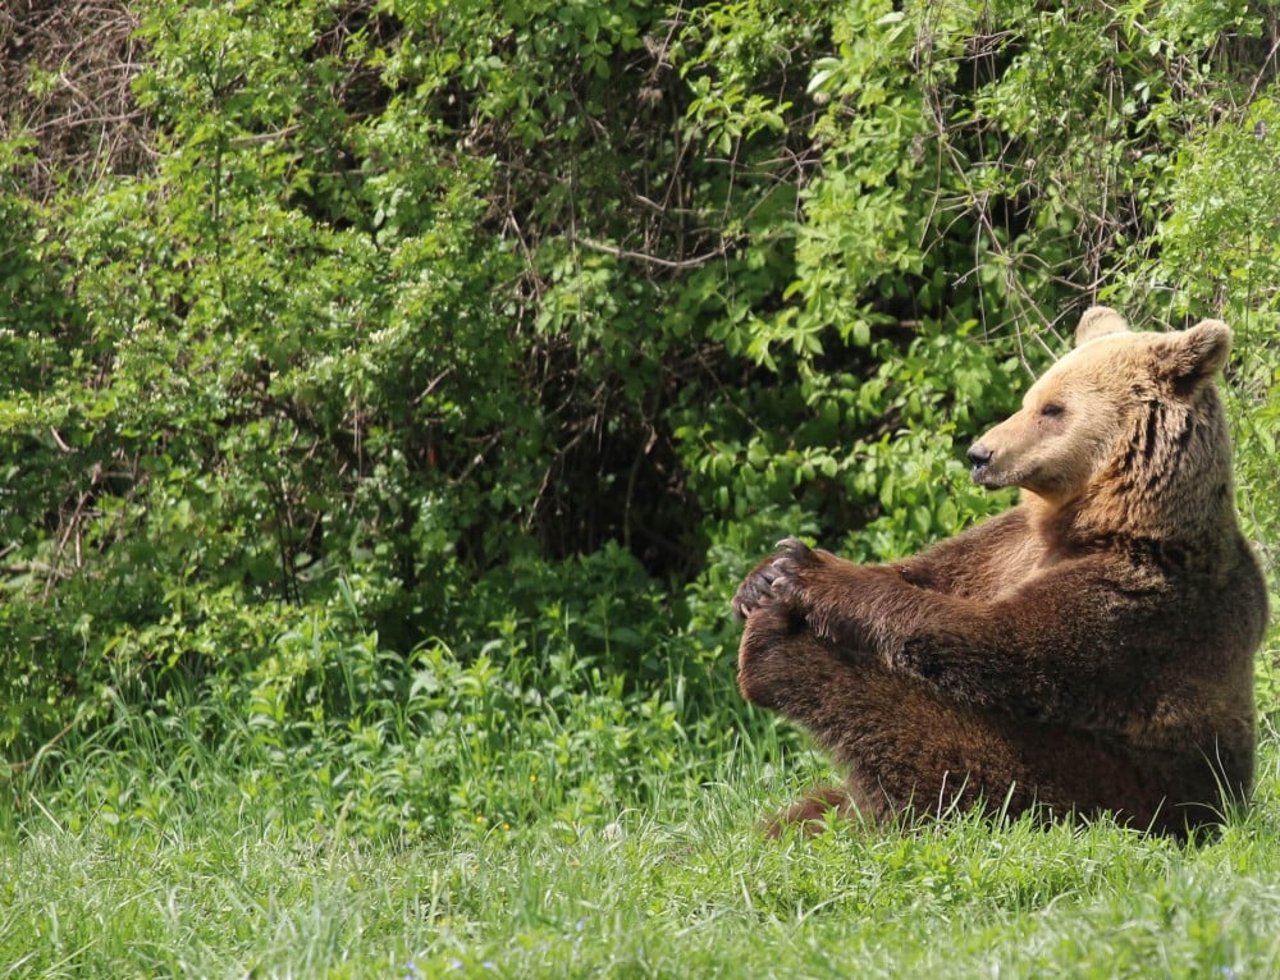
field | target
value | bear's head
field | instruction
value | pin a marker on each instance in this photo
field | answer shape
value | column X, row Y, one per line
column 1125, row 410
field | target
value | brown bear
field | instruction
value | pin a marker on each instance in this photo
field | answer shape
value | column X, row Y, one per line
column 1088, row 651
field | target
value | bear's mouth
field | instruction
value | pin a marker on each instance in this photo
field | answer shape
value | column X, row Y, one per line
column 982, row 475
column 989, row 478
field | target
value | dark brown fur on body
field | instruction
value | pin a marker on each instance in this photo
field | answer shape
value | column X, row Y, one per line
column 1090, row 650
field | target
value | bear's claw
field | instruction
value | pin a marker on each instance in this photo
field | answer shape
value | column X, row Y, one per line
column 755, row 590
column 775, row 578
column 792, row 557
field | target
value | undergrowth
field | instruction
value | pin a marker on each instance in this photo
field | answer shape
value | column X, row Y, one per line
column 207, row 874
column 506, row 815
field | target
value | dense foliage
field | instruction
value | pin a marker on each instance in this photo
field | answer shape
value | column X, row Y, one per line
column 392, row 391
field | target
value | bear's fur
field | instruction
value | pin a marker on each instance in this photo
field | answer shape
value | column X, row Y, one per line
column 1088, row 651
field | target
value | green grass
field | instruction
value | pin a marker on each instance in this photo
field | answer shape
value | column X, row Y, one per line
column 220, row 883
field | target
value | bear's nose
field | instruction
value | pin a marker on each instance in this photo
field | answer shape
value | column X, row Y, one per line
column 980, row 455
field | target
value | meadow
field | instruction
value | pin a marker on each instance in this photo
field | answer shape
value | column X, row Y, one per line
column 393, row 393
column 219, row 884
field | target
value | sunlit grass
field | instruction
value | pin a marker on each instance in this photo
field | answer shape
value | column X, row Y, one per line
column 221, row 884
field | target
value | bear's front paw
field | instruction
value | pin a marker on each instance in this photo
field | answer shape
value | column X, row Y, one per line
column 756, row 589
column 777, row 578
column 790, row 565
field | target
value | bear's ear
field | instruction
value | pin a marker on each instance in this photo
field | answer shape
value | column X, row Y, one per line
column 1189, row 358
column 1099, row 321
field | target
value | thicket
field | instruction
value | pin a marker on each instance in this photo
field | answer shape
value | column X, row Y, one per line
column 393, row 391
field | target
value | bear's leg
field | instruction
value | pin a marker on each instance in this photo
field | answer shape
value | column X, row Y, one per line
column 810, row 814
column 905, row 747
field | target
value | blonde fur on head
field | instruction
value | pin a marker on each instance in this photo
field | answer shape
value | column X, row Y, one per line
column 1190, row 357
column 1127, row 429
column 1098, row 321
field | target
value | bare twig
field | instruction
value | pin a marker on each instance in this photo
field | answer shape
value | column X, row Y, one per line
column 694, row 262
column 67, row 80
column 62, row 446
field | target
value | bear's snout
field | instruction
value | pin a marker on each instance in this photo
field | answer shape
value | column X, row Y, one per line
column 979, row 455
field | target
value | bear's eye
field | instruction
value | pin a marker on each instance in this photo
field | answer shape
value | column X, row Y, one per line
column 1051, row 410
